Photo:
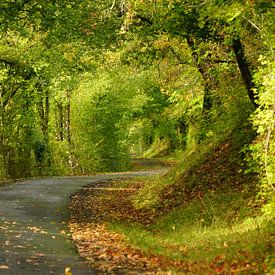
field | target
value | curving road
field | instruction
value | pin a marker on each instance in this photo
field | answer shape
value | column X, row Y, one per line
column 34, row 238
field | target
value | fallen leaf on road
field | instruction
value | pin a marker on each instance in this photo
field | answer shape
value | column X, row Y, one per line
column 68, row 271
column 4, row 267
column 39, row 254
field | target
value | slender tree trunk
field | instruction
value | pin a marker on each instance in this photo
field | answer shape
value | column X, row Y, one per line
column 44, row 110
column 60, row 121
column 44, row 113
column 69, row 117
column 207, row 99
column 2, row 148
column 47, row 114
column 244, row 69
column 46, row 125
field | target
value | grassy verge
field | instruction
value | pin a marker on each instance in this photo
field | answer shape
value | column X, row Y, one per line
column 204, row 220
column 207, row 218
column 222, row 231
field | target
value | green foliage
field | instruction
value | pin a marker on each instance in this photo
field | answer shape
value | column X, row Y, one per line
column 85, row 83
column 263, row 119
column 17, row 117
column 101, row 115
column 90, row 82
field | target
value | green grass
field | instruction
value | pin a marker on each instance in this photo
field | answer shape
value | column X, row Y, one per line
column 190, row 159
column 209, row 215
column 222, row 225
column 148, row 196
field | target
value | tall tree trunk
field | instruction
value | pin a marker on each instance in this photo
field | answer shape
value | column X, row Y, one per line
column 44, row 110
column 69, row 117
column 207, row 99
column 44, row 113
column 60, row 120
column 244, row 69
column 46, row 125
column 47, row 114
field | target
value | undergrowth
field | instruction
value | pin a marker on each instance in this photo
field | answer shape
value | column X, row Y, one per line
column 208, row 214
column 221, row 231
column 150, row 195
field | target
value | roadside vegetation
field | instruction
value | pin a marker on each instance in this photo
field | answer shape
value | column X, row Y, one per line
column 87, row 86
column 210, row 220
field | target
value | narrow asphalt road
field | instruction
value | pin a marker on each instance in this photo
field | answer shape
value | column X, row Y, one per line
column 34, row 238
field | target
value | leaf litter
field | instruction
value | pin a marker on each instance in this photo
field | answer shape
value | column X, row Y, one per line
column 91, row 210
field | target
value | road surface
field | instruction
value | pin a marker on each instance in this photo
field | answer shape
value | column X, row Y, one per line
column 34, row 238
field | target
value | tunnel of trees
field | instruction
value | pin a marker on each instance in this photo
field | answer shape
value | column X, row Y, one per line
column 86, row 84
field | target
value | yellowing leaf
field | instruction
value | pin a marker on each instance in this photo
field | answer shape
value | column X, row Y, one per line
column 68, row 271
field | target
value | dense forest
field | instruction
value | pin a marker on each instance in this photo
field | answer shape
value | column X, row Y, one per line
column 87, row 85
column 84, row 85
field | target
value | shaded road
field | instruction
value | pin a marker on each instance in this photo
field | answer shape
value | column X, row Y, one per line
column 34, row 238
